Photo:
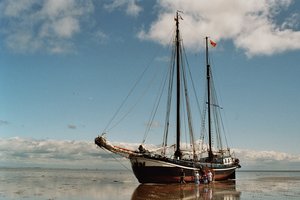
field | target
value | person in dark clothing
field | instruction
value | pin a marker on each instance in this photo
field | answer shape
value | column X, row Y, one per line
column 182, row 175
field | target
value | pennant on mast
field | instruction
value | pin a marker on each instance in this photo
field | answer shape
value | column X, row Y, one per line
column 212, row 43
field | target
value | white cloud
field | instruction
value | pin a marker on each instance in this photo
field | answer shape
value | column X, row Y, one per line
column 131, row 6
column 256, row 27
column 15, row 8
column 83, row 154
column 54, row 8
column 49, row 25
column 66, row 27
column 133, row 9
column 251, row 25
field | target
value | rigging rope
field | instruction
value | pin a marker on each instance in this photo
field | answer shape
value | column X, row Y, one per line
column 109, row 126
column 154, row 110
column 220, row 117
column 136, row 103
column 124, row 101
column 169, row 100
column 188, row 108
column 111, row 154
column 158, row 100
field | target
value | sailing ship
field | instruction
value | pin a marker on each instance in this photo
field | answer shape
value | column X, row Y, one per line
column 181, row 166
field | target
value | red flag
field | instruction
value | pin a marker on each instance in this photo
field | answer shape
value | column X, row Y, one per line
column 214, row 44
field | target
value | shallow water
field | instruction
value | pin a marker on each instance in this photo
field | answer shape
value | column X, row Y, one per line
column 269, row 185
column 65, row 184
column 121, row 185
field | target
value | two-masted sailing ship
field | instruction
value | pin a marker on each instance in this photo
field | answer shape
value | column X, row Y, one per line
column 161, row 166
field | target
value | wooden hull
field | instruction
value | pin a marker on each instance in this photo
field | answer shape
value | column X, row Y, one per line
column 151, row 170
column 224, row 173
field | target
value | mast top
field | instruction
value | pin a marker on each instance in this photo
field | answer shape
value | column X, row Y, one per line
column 178, row 16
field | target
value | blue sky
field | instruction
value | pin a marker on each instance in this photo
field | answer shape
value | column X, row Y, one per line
column 66, row 65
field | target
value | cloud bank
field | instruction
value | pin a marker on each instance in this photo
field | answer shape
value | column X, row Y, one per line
column 267, row 160
column 20, row 152
column 256, row 27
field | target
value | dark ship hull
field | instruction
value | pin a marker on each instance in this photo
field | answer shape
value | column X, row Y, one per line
column 164, row 170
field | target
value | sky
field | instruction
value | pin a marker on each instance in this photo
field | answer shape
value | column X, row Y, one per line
column 67, row 65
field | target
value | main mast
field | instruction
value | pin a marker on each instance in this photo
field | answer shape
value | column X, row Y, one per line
column 178, row 152
column 210, row 153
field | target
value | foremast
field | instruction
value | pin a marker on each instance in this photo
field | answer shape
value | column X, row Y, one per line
column 178, row 153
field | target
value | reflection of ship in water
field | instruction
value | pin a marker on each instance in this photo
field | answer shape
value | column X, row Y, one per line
column 216, row 190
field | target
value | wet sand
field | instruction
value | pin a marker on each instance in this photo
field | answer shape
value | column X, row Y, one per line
column 121, row 185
